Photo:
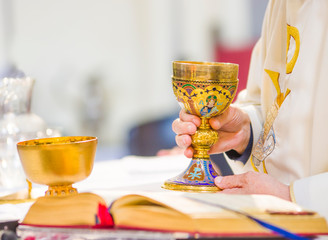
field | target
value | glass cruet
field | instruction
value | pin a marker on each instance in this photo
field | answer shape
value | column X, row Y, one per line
column 17, row 123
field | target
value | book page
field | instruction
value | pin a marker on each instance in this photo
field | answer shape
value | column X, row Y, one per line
column 178, row 201
column 187, row 202
column 171, row 199
column 254, row 203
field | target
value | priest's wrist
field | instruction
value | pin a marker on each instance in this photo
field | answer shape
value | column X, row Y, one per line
column 234, row 155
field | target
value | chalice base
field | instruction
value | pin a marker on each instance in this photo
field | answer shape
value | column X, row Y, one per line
column 198, row 177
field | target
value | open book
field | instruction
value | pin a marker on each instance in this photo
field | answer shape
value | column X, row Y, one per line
column 195, row 213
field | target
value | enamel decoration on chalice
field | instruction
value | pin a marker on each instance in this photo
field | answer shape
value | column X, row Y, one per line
column 204, row 89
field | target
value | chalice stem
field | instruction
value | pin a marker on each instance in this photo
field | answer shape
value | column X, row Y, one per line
column 204, row 138
column 61, row 190
column 200, row 174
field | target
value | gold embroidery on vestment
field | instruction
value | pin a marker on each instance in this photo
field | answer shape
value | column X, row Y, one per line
column 266, row 143
column 292, row 32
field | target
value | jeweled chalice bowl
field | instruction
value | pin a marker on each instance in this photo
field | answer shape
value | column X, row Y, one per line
column 204, row 89
column 58, row 162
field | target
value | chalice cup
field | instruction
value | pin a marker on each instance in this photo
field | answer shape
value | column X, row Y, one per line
column 204, row 89
column 58, row 162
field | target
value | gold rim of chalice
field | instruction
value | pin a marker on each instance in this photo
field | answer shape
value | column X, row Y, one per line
column 58, row 162
column 209, row 71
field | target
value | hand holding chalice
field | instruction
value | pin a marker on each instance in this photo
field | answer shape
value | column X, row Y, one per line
column 204, row 89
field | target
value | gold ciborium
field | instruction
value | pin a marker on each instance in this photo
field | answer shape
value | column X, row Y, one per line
column 58, row 162
column 204, row 89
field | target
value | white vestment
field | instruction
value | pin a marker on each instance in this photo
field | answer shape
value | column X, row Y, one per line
column 292, row 50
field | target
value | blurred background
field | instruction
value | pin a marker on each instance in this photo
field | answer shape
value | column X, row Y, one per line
column 103, row 67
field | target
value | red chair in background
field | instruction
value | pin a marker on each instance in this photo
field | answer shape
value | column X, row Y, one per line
column 241, row 56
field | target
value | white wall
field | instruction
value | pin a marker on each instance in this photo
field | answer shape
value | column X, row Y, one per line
column 127, row 44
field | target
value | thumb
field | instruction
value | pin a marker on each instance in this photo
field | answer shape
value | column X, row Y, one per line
column 231, row 120
column 233, row 181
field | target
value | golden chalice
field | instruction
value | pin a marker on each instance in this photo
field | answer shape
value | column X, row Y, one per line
column 204, row 89
column 59, row 162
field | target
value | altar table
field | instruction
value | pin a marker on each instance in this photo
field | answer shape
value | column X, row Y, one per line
column 114, row 177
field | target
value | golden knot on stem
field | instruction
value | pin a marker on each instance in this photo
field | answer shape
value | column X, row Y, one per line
column 61, row 190
column 204, row 138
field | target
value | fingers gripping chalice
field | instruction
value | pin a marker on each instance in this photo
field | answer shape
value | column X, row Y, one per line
column 204, row 89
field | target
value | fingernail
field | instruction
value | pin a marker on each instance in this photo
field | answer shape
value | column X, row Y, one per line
column 195, row 122
column 215, row 125
column 218, row 180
